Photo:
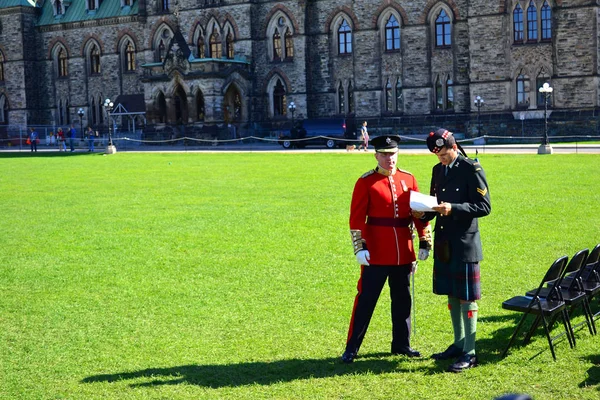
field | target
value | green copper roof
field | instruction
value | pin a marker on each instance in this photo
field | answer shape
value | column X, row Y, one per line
column 16, row 3
column 76, row 11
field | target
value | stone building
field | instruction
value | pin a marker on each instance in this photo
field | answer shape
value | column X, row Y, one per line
column 208, row 62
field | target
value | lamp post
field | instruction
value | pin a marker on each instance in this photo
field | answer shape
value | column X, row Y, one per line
column 546, row 91
column 108, row 106
column 292, row 108
column 80, row 112
column 478, row 103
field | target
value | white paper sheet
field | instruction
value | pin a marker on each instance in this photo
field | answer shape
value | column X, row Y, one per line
column 422, row 202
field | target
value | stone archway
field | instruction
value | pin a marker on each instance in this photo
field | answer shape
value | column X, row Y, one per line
column 180, row 106
column 232, row 110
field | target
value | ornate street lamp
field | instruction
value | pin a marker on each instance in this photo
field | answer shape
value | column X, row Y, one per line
column 108, row 106
column 292, row 108
column 478, row 103
column 80, row 112
column 546, row 91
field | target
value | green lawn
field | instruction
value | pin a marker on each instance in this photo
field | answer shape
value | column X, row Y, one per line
column 211, row 276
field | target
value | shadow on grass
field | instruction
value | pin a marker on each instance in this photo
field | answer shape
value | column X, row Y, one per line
column 46, row 154
column 593, row 374
column 263, row 373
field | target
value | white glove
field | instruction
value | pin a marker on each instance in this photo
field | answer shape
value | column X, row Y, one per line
column 413, row 269
column 363, row 257
column 423, row 254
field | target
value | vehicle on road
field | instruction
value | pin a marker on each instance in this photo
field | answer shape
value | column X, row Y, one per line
column 329, row 133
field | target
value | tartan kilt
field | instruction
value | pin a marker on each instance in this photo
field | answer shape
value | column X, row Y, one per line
column 457, row 279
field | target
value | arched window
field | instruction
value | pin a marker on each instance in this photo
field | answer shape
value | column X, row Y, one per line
column 95, row 60
column 93, row 116
column 279, row 100
column 388, row 96
column 449, row 94
column 200, row 52
column 443, row 31
column 439, row 95
column 215, row 44
column 129, row 57
column 277, row 46
column 289, row 45
column 161, row 108
column 229, row 45
column 58, row 8
column 341, row 99
column 62, row 63
column 399, row 96
column 546, row 22
column 164, row 5
column 3, row 110
column 392, row 34
column 161, row 51
column 237, row 106
column 344, row 38
column 1, row 67
column 532, row 29
column 522, row 90
column 100, row 110
column 199, row 106
column 350, row 98
column 518, row 24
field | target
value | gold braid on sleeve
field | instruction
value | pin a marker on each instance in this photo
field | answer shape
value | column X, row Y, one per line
column 357, row 241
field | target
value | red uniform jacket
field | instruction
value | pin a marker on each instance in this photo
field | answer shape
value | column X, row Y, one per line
column 380, row 209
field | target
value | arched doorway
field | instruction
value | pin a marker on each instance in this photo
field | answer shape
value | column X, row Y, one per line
column 232, row 112
column 199, row 106
column 181, row 106
column 161, row 108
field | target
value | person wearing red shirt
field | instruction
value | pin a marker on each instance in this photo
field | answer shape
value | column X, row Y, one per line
column 382, row 227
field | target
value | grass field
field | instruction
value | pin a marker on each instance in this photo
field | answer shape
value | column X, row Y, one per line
column 213, row 276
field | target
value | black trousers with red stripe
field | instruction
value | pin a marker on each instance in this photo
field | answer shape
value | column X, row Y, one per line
column 370, row 284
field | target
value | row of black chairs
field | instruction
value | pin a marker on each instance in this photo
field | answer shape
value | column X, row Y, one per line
column 567, row 285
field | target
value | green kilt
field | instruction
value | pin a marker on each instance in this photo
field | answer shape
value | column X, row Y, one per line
column 457, row 279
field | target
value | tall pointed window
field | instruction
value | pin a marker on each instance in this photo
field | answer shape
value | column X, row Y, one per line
column 3, row 110
column 161, row 51
column 58, row 8
column 229, row 45
column 91, row 5
column 518, row 24
column 62, row 63
column 289, row 45
column 129, row 57
column 439, row 95
column 350, row 98
column 539, row 82
column 199, row 106
column 392, row 34
column 522, row 90
column 341, row 99
column 100, row 110
column 164, row 5
column 1, row 67
column 93, row 116
column 279, row 100
column 276, row 46
column 532, row 28
column 443, row 32
column 200, row 47
column 344, row 38
column 449, row 94
column 216, row 49
column 546, row 22
column 399, row 96
column 95, row 61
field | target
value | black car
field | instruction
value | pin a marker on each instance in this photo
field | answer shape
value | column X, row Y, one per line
column 330, row 133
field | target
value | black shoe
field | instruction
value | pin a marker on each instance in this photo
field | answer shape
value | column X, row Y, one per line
column 348, row 357
column 451, row 352
column 463, row 363
column 406, row 351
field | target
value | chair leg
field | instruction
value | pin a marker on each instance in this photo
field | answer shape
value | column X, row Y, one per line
column 547, row 331
column 514, row 335
column 589, row 316
column 568, row 328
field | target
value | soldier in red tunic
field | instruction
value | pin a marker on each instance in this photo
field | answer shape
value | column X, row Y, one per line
column 381, row 226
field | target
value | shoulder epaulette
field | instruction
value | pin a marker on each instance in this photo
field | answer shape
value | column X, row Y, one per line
column 406, row 172
column 371, row 172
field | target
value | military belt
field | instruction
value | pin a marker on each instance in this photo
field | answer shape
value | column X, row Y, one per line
column 394, row 222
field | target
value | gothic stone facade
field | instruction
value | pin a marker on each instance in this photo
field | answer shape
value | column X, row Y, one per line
column 213, row 61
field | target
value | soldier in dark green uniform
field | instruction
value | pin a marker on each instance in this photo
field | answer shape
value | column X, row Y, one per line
column 461, row 189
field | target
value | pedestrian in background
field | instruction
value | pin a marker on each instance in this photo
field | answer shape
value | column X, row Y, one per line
column 381, row 227
column 364, row 137
column 33, row 139
column 60, row 139
column 462, row 192
column 90, row 135
column 72, row 137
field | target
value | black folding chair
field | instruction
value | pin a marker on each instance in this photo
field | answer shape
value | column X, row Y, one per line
column 572, row 291
column 542, row 308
